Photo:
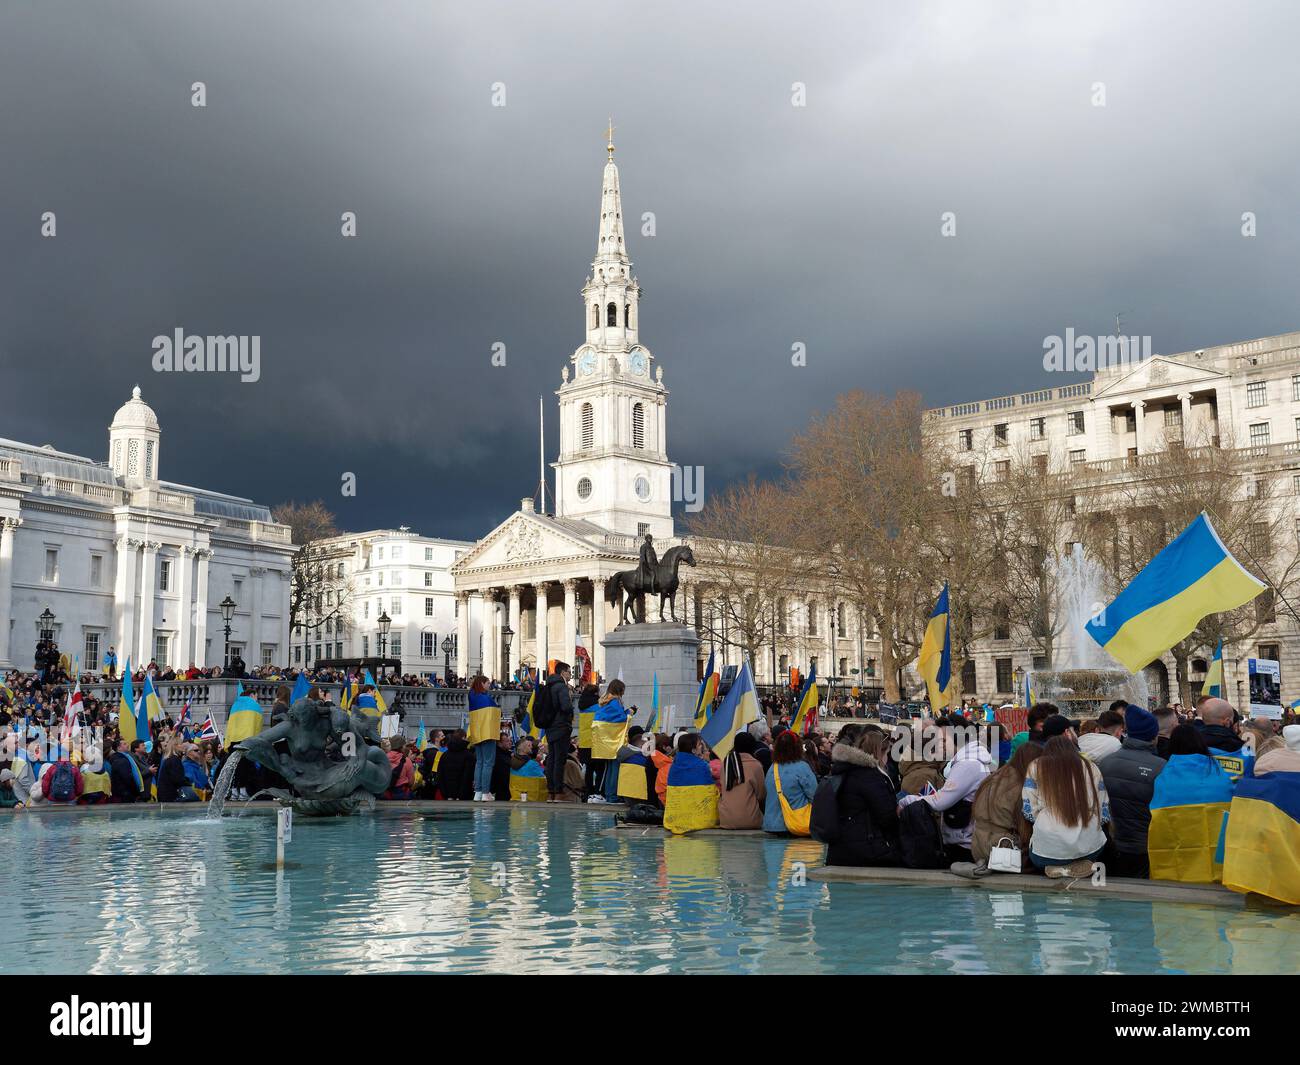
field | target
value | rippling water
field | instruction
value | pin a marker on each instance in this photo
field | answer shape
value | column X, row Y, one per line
column 527, row 891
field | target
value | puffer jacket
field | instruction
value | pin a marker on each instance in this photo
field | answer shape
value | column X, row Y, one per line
column 1130, row 775
column 997, row 814
column 868, row 816
column 562, row 702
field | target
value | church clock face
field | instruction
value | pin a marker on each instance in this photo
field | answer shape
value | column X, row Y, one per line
column 642, row 488
column 638, row 362
column 587, row 364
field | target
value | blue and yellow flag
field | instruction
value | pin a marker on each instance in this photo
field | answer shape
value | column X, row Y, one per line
column 300, row 687
column 484, row 719
column 421, row 737
column 633, row 783
column 1192, row 576
column 708, row 692
column 149, row 700
column 934, row 663
column 1261, row 850
column 608, row 730
column 1029, row 689
column 1188, row 805
column 654, row 724
column 691, row 801
column 345, row 696
column 131, row 721
column 528, row 782
column 809, row 699
column 1214, row 675
column 379, row 696
column 738, row 709
column 244, row 719
column 529, row 724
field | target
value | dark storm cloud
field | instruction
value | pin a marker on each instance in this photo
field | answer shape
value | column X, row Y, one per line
column 476, row 224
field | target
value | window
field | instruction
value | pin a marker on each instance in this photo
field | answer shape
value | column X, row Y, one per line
column 380, row 556
column 1003, row 668
column 97, row 570
column 638, row 425
column 588, row 427
column 966, row 439
column 428, row 579
column 428, row 606
column 164, row 575
column 780, row 617
column 1259, row 434
column 812, row 619
column 1295, row 483
column 396, row 608
column 340, row 570
column 1257, row 394
column 871, row 667
column 839, row 622
column 365, row 609
column 584, row 488
column 1000, row 434
column 1002, row 470
column 844, row 666
column 611, row 314
column 428, row 643
column 642, row 527
column 51, row 565
column 297, row 653
column 1037, row 428
column 968, row 677
column 1265, row 608
column 1077, row 458
column 397, row 645
column 1001, row 622
column 92, row 650
column 268, row 654
column 1040, row 465
column 428, row 554
column 1269, row 651
column 379, row 580
column 160, row 649
column 365, row 646
column 396, row 553
column 783, row 666
column 1295, row 388
column 595, row 316
column 1258, row 539
column 1071, row 507
column 1074, row 421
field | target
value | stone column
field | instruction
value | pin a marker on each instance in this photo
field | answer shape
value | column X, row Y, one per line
column 255, row 574
column 7, row 527
column 200, row 608
column 124, row 601
column 514, row 620
column 570, row 622
column 181, row 654
column 1185, row 398
column 148, row 564
column 1138, row 418
column 462, row 634
column 487, row 642
column 598, row 624
column 542, row 610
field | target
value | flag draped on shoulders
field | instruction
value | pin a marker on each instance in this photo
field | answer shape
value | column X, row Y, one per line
column 737, row 710
column 528, row 781
column 244, row 719
column 691, row 802
column 1192, row 576
column 633, row 781
column 484, row 719
column 1262, row 842
column 934, row 662
column 1189, row 803
column 608, row 730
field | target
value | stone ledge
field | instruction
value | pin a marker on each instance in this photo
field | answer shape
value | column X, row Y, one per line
column 266, row 806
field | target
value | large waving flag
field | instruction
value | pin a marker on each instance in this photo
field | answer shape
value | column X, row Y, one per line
column 71, row 716
column 484, row 719
column 1262, row 844
column 149, row 698
column 244, row 719
column 528, row 726
column 421, row 737
column 131, row 720
column 738, row 709
column 1214, row 675
column 708, row 692
column 376, row 700
column 301, row 687
column 809, row 698
column 1192, row 576
column 934, row 663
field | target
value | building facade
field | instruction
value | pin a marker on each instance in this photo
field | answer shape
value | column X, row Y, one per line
column 393, row 572
column 1244, row 396
column 124, row 559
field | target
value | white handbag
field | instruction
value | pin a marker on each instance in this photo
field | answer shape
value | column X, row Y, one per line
column 1004, row 859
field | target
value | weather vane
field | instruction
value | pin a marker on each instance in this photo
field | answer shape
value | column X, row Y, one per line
column 609, row 134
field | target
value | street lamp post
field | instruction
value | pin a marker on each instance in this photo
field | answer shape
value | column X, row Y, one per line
column 227, row 607
column 507, row 634
column 1018, row 677
column 45, row 658
column 446, row 660
column 385, row 623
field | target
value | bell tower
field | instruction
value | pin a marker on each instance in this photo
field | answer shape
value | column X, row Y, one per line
column 613, row 468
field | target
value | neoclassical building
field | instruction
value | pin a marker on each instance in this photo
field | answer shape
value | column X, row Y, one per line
column 122, row 558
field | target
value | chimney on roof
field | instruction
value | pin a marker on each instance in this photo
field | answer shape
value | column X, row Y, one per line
column 526, row 505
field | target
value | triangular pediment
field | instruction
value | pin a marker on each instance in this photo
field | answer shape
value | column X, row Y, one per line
column 522, row 541
column 1159, row 372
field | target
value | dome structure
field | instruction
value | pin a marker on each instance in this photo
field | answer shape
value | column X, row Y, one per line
column 135, row 413
column 133, row 442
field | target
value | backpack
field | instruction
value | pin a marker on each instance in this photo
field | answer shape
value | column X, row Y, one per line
column 544, row 708
column 825, row 823
column 918, row 837
column 642, row 813
column 63, row 784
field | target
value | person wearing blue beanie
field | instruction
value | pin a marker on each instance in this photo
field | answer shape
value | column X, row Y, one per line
column 1130, row 775
column 1139, row 724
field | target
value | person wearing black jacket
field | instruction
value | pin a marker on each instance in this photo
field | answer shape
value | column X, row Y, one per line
column 587, row 698
column 559, row 726
column 173, row 784
column 868, row 809
column 456, row 769
column 1130, row 775
column 501, row 770
column 121, row 777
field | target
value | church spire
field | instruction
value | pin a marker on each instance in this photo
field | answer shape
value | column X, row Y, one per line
column 611, row 249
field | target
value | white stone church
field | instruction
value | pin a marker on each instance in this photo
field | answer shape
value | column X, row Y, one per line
column 124, row 559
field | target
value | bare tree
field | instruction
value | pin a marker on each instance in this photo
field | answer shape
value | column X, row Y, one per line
column 320, row 592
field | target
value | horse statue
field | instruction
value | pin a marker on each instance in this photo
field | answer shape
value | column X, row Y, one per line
column 631, row 582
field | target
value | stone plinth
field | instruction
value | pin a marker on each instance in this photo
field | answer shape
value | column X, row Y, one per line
column 662, row 648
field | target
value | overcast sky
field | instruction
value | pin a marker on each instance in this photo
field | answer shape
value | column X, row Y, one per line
column 776, row 224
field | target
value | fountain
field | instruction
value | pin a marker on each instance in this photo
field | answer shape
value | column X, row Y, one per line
column 1084, row 680
column 323, row 753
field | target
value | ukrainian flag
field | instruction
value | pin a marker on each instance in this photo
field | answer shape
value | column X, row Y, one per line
column 1029, row 689
column 1191, row 798
column 131, row 726
column 244, row 719
column 345, row 696
column 484, row 719
column 367, row 704
column 421, row 738
column 1192, row 576
column 1214, row 675
column 528, row 725
column 692, row 799
column 934, row 663
column 632, row 782
column 608, row 730
column 708, row 692
column 738, row 709
column 528, row 781
column 808, row 700
column 654, row 725
column 149, row 700
column 586, row 718
column 300, row 687
column 379, row 696
column 1262, row 844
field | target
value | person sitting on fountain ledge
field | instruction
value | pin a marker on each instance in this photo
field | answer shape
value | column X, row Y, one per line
column 1038, row 713
column 1130, row 776
column 1105, row 739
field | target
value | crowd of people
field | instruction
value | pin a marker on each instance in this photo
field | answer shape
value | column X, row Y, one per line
column 952, row 791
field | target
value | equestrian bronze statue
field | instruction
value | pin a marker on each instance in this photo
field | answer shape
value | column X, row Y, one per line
column 654, row 576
